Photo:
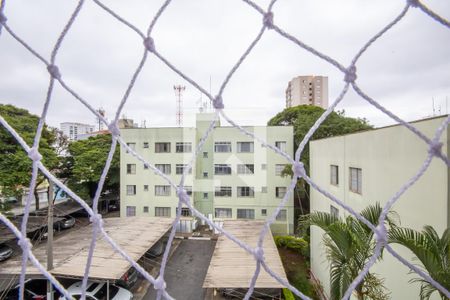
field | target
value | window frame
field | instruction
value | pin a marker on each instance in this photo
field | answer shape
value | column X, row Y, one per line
column 162, row 147
column 219, row 144
column 183, row 147
column 223, row 191
column 357, row 180
column 164, row 168
column 243, row 169
column 249, row 213
column 163, row 211
column 133, row 187
column 163, row 190
column 239, row 146
column 278, row 193
column 218, row 213
column 250, row 193
column 131, row 169
column 222, row 167
column 334, row 175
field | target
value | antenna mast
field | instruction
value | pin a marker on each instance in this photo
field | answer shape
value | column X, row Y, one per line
column 178, row 93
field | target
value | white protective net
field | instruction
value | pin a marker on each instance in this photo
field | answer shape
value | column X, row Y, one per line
column 350, row 75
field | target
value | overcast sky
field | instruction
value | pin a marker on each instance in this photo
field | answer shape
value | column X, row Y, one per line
column 404, row 70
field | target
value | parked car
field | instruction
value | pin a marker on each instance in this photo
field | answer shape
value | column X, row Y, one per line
column 5, row 252
column 65, row 223
column 98, row 291
column 129, row 278
column 156, row 250
column 35, row 289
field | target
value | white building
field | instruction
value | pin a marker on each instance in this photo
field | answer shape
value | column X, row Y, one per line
column 233, row 177
column 363, row 168
column 73, row 130
column 307, row 90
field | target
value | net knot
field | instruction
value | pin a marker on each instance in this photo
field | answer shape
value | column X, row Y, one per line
column 350, row 74
column 298, row 169
column 268, row 20
column 113, row 128
column 149, row 44
column 34, row 154
column 413, row 3
column 159, row 283
column 25, row 244
column 435, row 148
column 3, row 18
column 54, row 71
column 182, row 195
column 258, row 252
column 218, row 102
column 381, row 234
column 96, row 220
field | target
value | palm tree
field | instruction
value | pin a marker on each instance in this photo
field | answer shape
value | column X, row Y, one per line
column 349, row 245
column 432, row 251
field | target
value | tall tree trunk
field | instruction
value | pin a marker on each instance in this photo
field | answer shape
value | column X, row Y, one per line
column 36, row 198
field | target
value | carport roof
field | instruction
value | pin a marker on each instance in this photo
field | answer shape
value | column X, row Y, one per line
column 233, row 267
column 135, row 235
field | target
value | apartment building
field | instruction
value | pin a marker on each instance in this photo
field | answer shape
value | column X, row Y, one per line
column 307, row 90
column 234, row 177
column 363, row 168
column 73, row 130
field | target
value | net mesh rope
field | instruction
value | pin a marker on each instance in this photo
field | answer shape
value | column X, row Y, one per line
column 350, row 76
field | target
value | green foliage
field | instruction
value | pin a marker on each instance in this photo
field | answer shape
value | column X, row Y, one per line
column 288, row 294
column 432, row 251
column 349, row 245
column 15, row 166
column 290, row 242
column 85, row 162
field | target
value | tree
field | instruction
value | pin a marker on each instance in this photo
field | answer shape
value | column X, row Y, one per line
column 349, row 245
column 432, row 251
column 85, row 162
column 302, row 118
column 15, row 165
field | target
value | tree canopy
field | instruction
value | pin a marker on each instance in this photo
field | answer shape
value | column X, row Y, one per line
column 15, row 165
column 85, row 162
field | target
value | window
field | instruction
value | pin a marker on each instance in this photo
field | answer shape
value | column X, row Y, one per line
column 164, row 168
column 132, row 146
column 205, row 154
column 222, row 147
column 145, row 167
column 145, row 188
column 244, row 146
column 223, row 191
column 246, row 169
column 185, row 212
column 334, row 175
column 356, row 180
column 145, row 210
column 334, row 211
column 179, row 169
column 281, row 145
column 162, row 190
column 145, row 145
column 280, row 191
column 162, row 147
column 279, row 169
column 223, row 213
column 264, row 189
column 131, row 168
column 205, row 174
column 188, row 189
column 245, row 213
column 205, row 195
column 183, row 147
column 264, row 212
column 162, row 211
column 245, row 191
column 281, row 215
column 131, row 190
column 263, row 166
column 221, row 169
column 131, row 211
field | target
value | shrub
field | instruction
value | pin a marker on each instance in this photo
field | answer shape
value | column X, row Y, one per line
column 290, row 242
column 288, row 294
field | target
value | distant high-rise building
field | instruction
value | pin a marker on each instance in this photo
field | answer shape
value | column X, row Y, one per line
column 307, row 90
column 73, row 130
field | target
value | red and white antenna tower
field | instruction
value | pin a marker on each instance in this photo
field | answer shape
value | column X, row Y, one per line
column 178, row 92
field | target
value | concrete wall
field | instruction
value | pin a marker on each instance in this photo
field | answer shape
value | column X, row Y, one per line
column 206, row 185
column 388, row 157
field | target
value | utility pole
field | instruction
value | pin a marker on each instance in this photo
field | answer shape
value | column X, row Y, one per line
column 50, row 239
column 178, row 92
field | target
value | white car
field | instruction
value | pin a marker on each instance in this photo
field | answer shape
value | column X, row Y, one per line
column 98, row 290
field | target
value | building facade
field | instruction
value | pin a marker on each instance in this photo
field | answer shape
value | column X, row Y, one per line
column 363, row 168
column 73, row 130
column 234, row 177
column 307, row 90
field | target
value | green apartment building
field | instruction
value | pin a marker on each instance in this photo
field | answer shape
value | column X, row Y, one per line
column 234, row 177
